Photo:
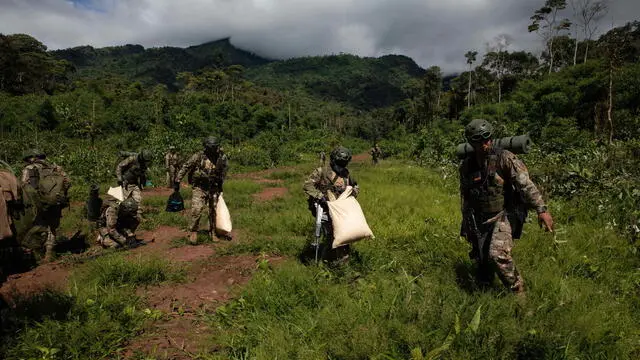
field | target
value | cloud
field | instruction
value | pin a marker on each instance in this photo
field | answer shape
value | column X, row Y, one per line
column 432, row 32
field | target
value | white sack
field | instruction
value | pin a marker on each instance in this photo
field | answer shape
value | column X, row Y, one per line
column 223, row 218
column 116, row 192
column 349, row 223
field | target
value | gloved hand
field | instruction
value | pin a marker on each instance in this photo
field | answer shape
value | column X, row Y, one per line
column 322, row 201
column 176, row 186
column 120, row 183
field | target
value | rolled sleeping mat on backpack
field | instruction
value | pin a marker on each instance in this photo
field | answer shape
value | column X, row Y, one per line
column 516, row 144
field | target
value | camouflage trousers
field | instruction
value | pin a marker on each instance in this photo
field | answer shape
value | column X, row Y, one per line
column 111, row 235
column 47, row 222
column 171, row 175
column 200, row 199
column 497, row 255
column 135, row 192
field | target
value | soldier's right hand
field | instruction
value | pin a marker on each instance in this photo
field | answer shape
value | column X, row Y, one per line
column 545, row 220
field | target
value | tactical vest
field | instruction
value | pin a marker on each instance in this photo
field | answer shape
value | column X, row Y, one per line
column 206, row 172
column 484, row 187
column 134, row 172
column 330, row 181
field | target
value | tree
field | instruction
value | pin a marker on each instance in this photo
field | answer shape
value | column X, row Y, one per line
column 587, row 14
column 546, row 24
column 495, row 59
column 471, row 58
column 431, row 91
column 616, row 43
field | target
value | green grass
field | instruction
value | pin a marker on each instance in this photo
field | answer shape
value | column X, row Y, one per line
column 93, row 318
column 409, row 293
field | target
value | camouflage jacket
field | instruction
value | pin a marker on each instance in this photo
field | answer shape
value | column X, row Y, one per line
column 31, row 173
column 132, row 171
column 509, row 171
column 324, row 180
column 170, row 160
column 203, row 172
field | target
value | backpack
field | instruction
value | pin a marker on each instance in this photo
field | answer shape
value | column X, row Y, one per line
column 52, row 190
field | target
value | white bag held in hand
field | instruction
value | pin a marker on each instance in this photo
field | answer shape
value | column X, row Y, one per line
column 223, row 217
column 349, row 224
column 116, row 192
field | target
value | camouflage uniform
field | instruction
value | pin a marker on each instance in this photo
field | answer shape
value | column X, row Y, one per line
column 116, row 226
column 47, row 220
column 132, row 174
column 375, row 154
column 207, row 178
column 483, row 188
column 171, row 164
column 325, row 183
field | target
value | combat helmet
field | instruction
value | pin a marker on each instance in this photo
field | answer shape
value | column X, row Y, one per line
column 210, row 142
column 128, row 207
column 340, row 155
column 29, row 153
column 145, row 155
column 478, row 130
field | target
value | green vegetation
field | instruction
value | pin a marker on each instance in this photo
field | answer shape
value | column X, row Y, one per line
column 92, row 319
column 410, row 292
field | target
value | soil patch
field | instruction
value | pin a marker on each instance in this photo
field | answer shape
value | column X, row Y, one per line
column 181, row 335
column 270, row 193
column 47, row 276
column 361, row 157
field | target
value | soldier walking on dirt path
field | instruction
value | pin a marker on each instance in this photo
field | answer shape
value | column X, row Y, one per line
column 376, row 153
column 326, row 183
column 206, row 171
column 171, row 164
column 48, row 185
column 132, row 176
column 493, row 182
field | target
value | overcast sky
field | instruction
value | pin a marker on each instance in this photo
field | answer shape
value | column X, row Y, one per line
column 432, row 32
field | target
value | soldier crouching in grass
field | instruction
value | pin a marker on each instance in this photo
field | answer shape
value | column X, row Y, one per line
column 490, row 179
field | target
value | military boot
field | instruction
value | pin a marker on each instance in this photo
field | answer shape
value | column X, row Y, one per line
column 193, row 238
column 49, row 247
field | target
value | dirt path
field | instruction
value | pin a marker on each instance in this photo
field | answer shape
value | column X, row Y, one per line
column 181, row 332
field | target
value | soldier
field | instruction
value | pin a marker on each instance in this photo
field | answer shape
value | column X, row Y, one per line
column 49, row 185
column 132, row 176
column 327, row 183
column 207, row 170
column 376, row 153
column 171, row 164
column 118, row 222
column 11, row 207
column 490, row 180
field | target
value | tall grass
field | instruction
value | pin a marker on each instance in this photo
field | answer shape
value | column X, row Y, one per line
column 409, row 293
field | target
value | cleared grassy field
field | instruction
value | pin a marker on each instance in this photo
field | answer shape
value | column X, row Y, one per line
column 407, row 294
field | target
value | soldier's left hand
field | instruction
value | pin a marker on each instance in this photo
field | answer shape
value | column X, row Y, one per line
column 545, row 220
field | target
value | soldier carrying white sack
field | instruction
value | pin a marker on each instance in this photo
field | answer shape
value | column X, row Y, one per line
column 325, row 184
